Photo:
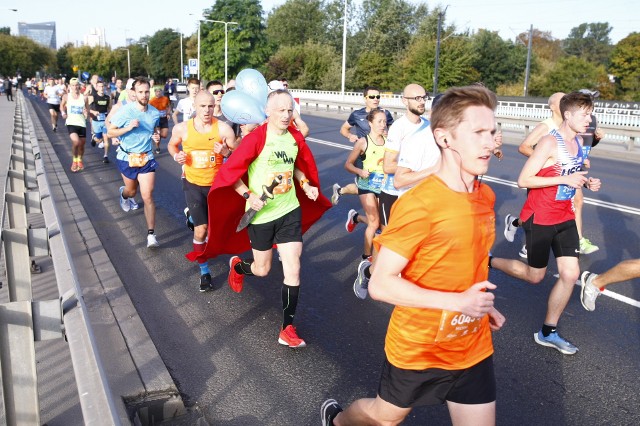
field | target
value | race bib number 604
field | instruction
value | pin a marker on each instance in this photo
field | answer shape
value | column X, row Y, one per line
column 454, row 325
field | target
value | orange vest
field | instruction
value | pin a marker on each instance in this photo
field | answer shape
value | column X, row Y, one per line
column 202, row 163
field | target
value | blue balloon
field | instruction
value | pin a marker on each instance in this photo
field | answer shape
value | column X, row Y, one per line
column 241, row 108
column 252, row 83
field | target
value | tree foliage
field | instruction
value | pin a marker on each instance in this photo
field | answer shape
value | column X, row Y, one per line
column 625, row 65
column 24, row 55
column 247, row 42
column 572, row 73
column 164, row 54
column 590, row 41
column 497, row 61
column 297, row 22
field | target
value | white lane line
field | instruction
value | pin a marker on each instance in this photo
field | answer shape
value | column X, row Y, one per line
column 612, row 206
column 617, row 207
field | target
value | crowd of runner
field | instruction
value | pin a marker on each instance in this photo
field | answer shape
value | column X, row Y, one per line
column 429, row 220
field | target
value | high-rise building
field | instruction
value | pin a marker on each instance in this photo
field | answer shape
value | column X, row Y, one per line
column 95, row 38
column 43, row 33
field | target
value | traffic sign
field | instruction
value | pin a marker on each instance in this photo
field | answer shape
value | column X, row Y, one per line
column 186, row 71
column 193, row 66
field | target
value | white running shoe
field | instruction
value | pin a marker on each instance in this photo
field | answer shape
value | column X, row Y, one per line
column 152, row 241
column 509, row 229
column 335, row 197
column 133, row 204
column 523, row 251
column 101, row 145
column 125, row 205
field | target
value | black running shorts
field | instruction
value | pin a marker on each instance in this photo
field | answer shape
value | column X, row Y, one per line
column 287, row 229
column 385, row 201
column 55, row 107
column 434, row 386
column 79, row 130
column 561, row 238
column 196, row 198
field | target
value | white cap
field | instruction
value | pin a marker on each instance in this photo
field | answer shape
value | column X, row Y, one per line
column 275, row 85
column 129, row 83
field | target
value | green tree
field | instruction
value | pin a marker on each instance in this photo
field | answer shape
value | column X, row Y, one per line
column 625, row 65
column 5, row 30
column 590, row 42
column 306, row 66
column 247, row 45
column 22, row 53
column 456, row 62
column 572, row 73
column 496, row 60
column 164, row 61
column 296, row 22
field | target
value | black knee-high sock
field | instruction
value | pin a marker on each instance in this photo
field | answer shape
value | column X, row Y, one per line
column 289, row 303
column 244, row 267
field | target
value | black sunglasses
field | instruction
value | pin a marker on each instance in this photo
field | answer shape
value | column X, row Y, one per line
column 218, row 92
column 373, row 96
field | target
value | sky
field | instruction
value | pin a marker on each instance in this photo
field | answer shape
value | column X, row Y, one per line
column 508, row 17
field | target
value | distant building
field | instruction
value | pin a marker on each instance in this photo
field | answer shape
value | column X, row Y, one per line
column 95, row 38
column 43, row 33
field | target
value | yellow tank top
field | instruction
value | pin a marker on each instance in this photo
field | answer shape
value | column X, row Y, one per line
column 75, row 111
column 202, row 163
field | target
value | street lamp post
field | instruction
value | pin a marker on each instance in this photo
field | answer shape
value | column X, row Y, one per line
column 182, row 58
column 147, row 46
column 344, row 49
column 226, row 45
column 128, row 61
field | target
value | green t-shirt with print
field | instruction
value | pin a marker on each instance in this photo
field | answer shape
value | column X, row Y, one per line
column 277, row 158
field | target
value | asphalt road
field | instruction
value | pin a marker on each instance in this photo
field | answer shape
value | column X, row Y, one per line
column 221, row 347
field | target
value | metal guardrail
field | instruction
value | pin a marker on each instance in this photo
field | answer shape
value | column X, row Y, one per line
column 620, row 125
column 23, row 320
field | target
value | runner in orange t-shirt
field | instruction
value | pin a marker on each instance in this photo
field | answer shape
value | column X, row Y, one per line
column 162, row 104
column 433, row 266
column 205, row 142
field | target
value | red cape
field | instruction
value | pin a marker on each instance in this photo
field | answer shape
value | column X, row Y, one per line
column 226, row 207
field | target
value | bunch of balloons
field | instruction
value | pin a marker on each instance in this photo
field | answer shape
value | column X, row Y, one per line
column 246, row 104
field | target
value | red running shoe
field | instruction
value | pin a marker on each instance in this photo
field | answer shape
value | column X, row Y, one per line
column 350, row 225
column 235, row 279
column 290, row 338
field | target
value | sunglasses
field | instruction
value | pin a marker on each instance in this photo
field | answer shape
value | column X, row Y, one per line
column 373, row 96
column 218, row 92
column 418, row 98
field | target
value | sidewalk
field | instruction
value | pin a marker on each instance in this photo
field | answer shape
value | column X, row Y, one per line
column 137, row 375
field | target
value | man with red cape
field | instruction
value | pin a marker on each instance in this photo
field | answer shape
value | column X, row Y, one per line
column 274, row 149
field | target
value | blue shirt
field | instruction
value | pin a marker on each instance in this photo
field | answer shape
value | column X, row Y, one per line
column 358, row 119
column 137, row 140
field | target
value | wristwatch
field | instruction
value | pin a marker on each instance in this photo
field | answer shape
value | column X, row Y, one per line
column 246, row 195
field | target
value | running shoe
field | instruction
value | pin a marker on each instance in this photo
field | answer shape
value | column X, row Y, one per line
column 125, row 205
column 152, row 241
column 586, row 247
column 105, row 159
column 509, row 229
column 189, row 220
column 235, row 280
column 205, row 282
column 55, row 128
column 80, row 166
column 74, row 166
column 589, row 292
column 336, row 194
column 361, row 284
column 133, row 204
column 101, row 145
column 290, row 338
column 93, row 140
column 157, row 151
column 328, row 411
column 350, row 224
column 554, row 340
column 523, row 251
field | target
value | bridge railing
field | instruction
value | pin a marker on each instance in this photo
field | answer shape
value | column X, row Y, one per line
column 24, row 320
column 622, row 126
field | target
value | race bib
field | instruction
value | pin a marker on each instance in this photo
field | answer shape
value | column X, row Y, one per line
column 203, row 159
column 75, row 109
column 454, row 325
column 375, row 180
column 138, row 159
column 101, row 116
column 565, row 192
column 286, row 184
